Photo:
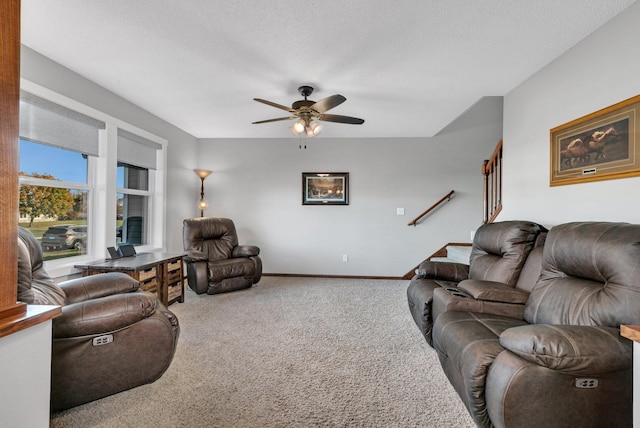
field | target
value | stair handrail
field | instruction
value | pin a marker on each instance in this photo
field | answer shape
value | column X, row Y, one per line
column 446, row 197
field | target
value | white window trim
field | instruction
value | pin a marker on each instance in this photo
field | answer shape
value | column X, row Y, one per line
column 102, row 185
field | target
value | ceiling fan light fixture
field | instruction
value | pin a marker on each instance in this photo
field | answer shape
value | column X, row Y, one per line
column 304, row 111
column 298, row 127
column 315, row 128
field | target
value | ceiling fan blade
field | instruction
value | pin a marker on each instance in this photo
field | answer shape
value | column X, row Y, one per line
column 341, row 119
column 276, row 105
column 274, row 120
column 328, row 103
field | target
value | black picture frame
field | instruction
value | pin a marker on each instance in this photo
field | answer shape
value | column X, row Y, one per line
column 325, row 188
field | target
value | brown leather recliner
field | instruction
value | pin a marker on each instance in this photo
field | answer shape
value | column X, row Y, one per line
column 564, row 362
column 215, row 262
column 110, row 337
column 498, row 255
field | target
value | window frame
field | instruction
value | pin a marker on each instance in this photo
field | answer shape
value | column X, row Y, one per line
column 101, row 185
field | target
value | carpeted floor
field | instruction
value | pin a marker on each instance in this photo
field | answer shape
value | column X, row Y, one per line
column 291, row 352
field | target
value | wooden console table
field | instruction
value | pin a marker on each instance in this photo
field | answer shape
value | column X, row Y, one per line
column 160, row 273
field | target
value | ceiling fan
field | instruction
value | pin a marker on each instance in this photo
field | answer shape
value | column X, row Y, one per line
column 306, row 111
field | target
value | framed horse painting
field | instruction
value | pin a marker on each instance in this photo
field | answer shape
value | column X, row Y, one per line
column 603, row 145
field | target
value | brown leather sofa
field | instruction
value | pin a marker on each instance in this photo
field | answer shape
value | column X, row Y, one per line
column 563, row 362
column 110, row 337
column 215, row 262
column 498, row 255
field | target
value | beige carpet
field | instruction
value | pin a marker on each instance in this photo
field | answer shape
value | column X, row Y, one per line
column 291, row 352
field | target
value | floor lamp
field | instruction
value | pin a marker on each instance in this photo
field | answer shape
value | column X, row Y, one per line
column 202, row 173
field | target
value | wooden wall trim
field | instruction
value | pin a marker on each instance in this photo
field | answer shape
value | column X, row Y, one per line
column 9, row 160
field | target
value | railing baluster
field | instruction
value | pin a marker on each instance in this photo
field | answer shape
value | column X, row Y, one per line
column 492, row 171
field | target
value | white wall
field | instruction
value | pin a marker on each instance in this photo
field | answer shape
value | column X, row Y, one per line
column 25, row 370
column 257, row 183
column 601, row 70
column 181, row 157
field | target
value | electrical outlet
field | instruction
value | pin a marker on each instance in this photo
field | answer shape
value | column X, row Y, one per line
column 399, row 211
column 345, row 258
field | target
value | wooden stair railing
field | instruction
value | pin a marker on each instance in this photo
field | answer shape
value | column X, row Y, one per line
column 492, row 171
column 446, row 197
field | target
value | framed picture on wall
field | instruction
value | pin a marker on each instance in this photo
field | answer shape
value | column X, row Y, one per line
column 603, row 145
column 325, row 188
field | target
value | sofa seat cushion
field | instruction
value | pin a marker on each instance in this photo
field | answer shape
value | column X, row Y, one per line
column 230, row 268
column 467, row 343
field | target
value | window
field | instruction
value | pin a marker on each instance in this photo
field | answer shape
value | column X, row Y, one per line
column 55, row 145
column 69, row 156
column 132, row 209
column 136, row 165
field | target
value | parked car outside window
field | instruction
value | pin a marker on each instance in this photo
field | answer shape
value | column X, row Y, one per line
column 64, row 237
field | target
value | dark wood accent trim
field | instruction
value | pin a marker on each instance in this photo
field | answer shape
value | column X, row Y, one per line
column 428, row 210
column 442, row 252
column 34, row 315
column 631, row 332
column 9, row 160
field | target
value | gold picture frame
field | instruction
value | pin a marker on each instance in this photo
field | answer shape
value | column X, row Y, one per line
column 603, row 145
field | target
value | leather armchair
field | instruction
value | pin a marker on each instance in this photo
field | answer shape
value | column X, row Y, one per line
column 498, row 255
column 110, row 337
column 215, row 262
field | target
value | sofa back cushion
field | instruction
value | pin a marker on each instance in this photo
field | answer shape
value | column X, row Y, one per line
column 532, row 266
column 500, row 250
column 214, row 237
column 590, row 276
column 35, row 286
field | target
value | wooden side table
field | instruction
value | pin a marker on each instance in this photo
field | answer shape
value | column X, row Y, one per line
column 160, row 273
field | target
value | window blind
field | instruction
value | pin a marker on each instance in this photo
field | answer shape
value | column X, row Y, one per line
column 137, row 151
column 48, row 123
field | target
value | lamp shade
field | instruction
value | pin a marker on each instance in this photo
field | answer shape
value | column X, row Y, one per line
column 202, row 173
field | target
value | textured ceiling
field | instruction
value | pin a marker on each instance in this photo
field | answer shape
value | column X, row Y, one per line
column 408, row 67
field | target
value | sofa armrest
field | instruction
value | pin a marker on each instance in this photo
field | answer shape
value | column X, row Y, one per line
column 96, row 286
column 493, row 291
column 245, row 251
column 573, row 349
column 197, row 272
column 454, row 299
column 104, row 315
column 443, row 270
column 195, row 256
